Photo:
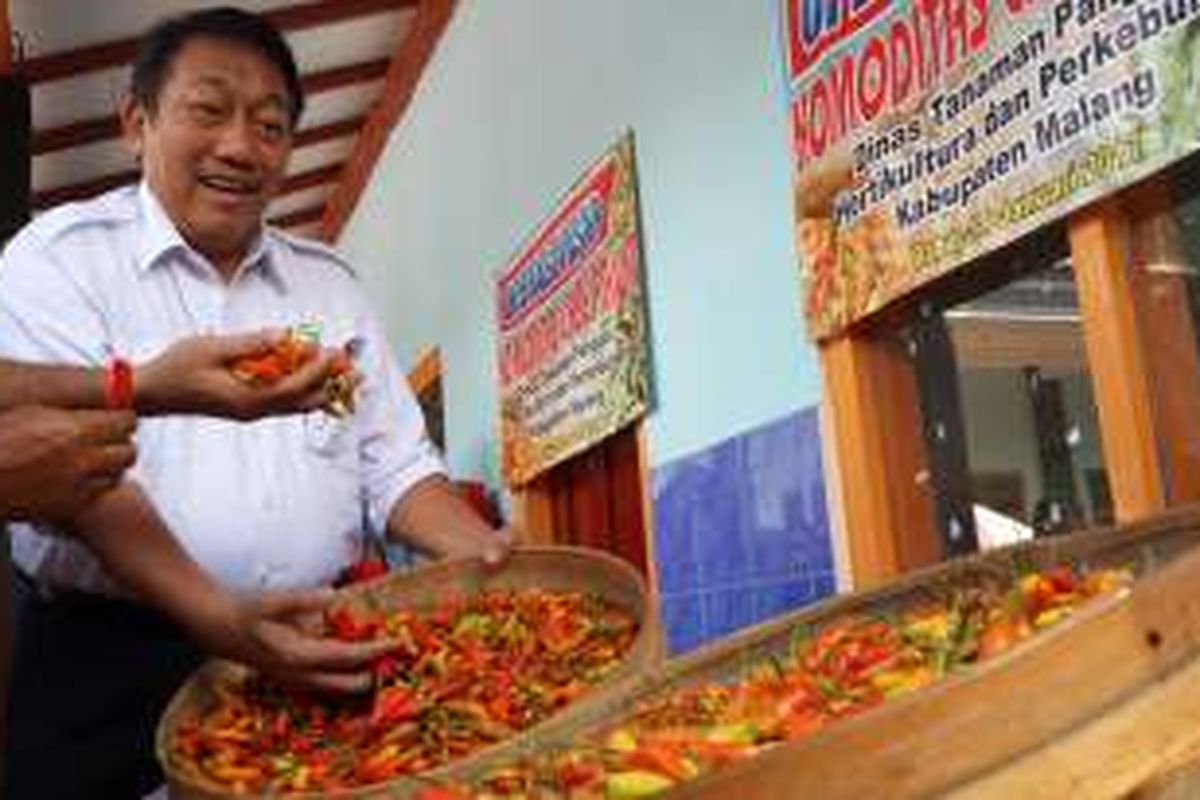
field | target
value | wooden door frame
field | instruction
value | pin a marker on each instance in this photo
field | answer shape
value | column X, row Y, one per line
column 882, row 524
column 533, row 510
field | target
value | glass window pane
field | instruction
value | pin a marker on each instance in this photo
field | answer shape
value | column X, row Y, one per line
column 1026, row 426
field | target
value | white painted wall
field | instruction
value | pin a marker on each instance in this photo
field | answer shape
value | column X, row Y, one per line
column 521, row 96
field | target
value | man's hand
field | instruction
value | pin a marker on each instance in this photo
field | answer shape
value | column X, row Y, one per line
column 269, row 632
column 494, row 547
column 55, row 462
column 193, row 376
column 434, row 517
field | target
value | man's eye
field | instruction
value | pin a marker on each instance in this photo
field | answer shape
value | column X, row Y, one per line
column 272, row 129
column 207, row 111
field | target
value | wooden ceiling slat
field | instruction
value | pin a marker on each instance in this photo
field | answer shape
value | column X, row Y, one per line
column 81, row 191
column 107, row 55
column 330, row 130
column 401, row 82
column 336, row 78
column 313, row 177
column 301, row 216
column 327, row 12
column 77, row 134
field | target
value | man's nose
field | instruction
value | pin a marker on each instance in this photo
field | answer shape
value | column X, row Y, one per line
column 238, row 142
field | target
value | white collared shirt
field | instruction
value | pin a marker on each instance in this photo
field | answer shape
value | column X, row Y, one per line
column 276, row 503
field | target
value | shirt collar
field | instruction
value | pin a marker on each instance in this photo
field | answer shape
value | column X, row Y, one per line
column 159, row 238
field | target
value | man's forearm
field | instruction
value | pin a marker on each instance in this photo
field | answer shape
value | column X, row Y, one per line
column 433, row 517
column 138, row 550
column 50, row 385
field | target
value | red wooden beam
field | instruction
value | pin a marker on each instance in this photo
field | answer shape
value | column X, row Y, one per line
column 401, row 82
column 299, row 217
column 107, row 55
column 77, row 134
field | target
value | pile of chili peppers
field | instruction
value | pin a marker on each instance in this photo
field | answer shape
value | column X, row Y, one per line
column 817, row 677
column 471, row 673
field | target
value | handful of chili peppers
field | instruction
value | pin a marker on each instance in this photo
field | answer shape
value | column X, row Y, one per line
column 451, row 686
column 292, row 352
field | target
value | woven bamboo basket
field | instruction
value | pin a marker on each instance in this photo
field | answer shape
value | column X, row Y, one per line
column 551, row 568
column 950, row 738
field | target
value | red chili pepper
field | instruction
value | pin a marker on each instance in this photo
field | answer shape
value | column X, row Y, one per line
column 366, row 569
column 576, row 773
column 384, row 667
column 281, row 725
column 660, row 759
column 395, row 704
column 1062, row 578
column 345, row 625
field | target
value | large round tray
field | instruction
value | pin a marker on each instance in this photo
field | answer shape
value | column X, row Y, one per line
column 552, row 568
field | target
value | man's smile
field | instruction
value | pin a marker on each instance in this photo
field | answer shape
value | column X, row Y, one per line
column 242, row 188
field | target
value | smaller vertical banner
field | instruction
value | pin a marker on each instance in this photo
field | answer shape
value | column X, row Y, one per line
column 572, row 325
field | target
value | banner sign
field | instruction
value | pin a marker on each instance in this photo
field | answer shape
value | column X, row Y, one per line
column 572, row 343
column 928, row 132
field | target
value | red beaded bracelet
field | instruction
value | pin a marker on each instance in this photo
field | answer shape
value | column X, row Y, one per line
column 118, row 384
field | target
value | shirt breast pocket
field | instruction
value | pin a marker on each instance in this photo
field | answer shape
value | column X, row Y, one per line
column 331, row 438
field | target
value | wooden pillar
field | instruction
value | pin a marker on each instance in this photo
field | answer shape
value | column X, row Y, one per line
column 533, row 512
column 880, row 461
column 1161, row 268
column 1100, row 253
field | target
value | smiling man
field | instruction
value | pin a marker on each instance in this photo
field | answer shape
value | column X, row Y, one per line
column 213, row 131
column 221, row 534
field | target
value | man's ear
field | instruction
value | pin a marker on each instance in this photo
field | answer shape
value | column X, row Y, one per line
column 133, row 119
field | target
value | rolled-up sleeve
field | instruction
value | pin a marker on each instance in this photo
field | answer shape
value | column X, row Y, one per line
column 48, row 312
column 395, row 450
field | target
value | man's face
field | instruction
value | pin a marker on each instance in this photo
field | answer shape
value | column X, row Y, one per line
column 215, row 148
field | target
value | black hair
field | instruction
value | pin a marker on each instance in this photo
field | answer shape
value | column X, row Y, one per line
column 161, row 44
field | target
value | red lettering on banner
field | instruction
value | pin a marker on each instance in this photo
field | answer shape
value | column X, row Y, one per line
column 886, row 70
column 600, row 288
column 813, row 27
column 902, row 62
column 872, row 79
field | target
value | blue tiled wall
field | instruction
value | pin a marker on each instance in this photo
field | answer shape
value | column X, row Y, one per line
column 742, row 531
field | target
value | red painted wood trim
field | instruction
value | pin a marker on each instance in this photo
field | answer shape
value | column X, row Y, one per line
column 401, row 82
